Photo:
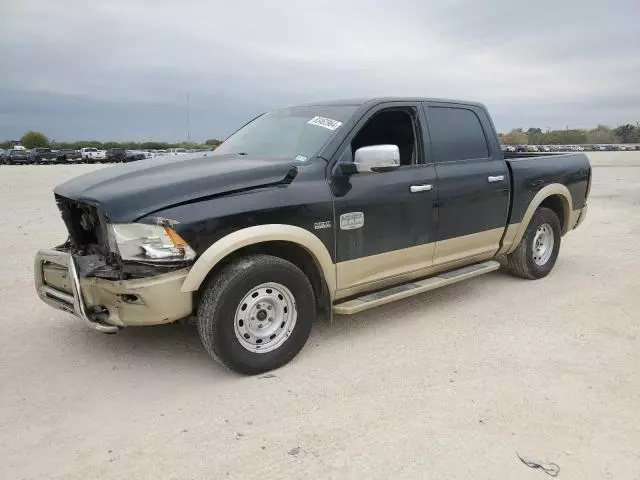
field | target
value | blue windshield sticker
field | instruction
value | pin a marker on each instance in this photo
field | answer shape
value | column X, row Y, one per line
column 301, row 158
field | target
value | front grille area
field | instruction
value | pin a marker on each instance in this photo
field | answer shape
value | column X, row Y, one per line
column 83, row 223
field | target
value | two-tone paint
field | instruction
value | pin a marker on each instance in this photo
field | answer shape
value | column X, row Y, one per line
column 226, row 203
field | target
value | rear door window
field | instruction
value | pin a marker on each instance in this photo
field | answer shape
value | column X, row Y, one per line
column 456, row 134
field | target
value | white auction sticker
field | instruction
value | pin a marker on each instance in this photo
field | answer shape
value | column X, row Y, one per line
column 325, row 123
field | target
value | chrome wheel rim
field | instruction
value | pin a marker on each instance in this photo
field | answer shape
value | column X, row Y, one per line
column 265, row 317
column 543, row 244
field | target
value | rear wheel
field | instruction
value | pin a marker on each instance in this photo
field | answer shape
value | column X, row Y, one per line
column 256, row 314
column 538, row 250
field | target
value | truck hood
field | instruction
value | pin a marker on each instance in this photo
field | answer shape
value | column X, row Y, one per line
column 125, row 193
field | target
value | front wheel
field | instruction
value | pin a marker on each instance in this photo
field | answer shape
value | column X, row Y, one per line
column 538, row 250
column 256, row 314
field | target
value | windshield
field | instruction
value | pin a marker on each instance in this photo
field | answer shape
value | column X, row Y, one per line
column 294, row 132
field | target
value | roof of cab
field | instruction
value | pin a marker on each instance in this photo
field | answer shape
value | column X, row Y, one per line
column 375, row 100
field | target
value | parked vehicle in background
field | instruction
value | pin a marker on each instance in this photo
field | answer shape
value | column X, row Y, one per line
column 17, row 156
column 521, row 148
column 545, row 148
column 86, row 153
column 531, row 148
column 288, row 218
column 508, row 148
column 178, row 151
column 41, row 156
column 69, row 155
column 2, row 153
column 120, row 155
column 100, row 156
column 116, row 155
column 93, row 155
column 134, row 155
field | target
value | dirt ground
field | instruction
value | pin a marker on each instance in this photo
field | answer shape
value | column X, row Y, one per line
column 448, row 384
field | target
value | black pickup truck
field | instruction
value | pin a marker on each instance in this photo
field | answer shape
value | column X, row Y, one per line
column 17, row 156
column 340, row 206
column 42, row 156
column 69, row 155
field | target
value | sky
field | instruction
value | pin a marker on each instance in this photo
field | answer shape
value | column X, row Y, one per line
column 122, row 69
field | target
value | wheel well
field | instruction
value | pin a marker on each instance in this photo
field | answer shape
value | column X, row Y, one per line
column 557, row 204
column 289, row 251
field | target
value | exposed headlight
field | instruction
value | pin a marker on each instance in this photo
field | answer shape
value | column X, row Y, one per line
column 150, row 243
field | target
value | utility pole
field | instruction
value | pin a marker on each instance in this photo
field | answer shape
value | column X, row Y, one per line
column 188, row 119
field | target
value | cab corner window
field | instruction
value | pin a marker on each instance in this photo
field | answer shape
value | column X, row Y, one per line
column 389, row 127
column 456, row 134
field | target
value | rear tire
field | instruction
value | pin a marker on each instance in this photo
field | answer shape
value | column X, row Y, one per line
column 256, row 314
column 538, row 250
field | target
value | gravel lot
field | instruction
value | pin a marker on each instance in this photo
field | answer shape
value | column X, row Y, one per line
column 449, row 384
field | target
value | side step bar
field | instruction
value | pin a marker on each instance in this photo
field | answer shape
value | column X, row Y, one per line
column 371, row 300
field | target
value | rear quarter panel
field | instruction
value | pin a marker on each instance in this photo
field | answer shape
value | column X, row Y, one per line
column 529, row 175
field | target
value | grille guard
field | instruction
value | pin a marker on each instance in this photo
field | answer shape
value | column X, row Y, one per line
column 73, row 304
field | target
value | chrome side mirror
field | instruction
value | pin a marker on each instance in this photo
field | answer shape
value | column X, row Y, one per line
column 377, row 158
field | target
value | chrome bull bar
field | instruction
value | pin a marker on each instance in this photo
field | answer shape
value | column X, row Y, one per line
column 69, row 302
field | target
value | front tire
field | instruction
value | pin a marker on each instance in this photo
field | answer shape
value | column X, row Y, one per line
column 256, row 314
column 538, row 250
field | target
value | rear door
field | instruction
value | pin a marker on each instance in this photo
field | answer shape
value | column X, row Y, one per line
column 385, row 222
column 473, row 182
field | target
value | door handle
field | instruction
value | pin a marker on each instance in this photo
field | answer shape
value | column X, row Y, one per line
column 421, row 188
column 497, row 178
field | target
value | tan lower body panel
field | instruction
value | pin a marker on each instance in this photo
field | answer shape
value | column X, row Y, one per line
column 476, row 244
column 371, row 269
column 158, row 299
column 405, row 290
column 385, row 269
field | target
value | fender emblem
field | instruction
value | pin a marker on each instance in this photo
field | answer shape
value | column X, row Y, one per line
column 351, row 220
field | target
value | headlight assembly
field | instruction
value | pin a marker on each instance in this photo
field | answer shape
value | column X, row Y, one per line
column 150, row 243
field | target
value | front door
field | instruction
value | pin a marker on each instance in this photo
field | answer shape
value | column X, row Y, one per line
column 385, row 222
column 473, row 183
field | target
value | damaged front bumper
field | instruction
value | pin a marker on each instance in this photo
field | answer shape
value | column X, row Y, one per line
column 108, row 305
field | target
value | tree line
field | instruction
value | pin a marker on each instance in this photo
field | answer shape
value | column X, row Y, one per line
column 33, row 139
column 602, row 134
